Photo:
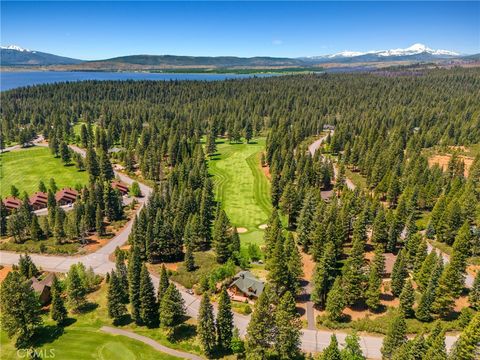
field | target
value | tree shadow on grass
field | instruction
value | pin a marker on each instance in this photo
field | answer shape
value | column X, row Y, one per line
column 87, row 307
column 47, row 334
column 123, row 321
column 183, row 332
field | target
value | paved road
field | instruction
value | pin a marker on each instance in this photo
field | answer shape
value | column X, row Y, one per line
column 36, row 141
column 313, row 147
column 151, row 342
column 312, row 340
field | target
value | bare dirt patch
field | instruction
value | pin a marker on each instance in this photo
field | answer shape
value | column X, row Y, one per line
column 4, row 272
column 241, row 230
column 442, row 161
column 473, row 269
column 308, row 266
column 266, row 171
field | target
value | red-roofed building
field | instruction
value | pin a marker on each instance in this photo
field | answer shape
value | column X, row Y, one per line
column 123, row 188
column 66, row 196
column 39, row 200
column 12, row 203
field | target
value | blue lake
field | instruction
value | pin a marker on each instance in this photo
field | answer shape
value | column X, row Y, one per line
column 12, row 80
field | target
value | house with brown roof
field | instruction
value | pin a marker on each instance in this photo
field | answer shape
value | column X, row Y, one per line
column 123, row 188
column 66, row 196
column 12, row 203
column 245, row 286
column 43, row 288
column 39, row 200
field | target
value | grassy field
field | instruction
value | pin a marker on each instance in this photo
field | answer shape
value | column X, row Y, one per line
column 82, row 339
column 242, row 187
column 25, row 168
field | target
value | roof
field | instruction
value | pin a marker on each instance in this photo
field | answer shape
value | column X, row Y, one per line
column 12, row 202
column 39, row 197
column 39, row 285
column 66, row 194
column 120, row 186
column 247, row 283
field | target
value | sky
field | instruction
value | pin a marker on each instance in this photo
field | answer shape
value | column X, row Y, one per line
column 99, row 30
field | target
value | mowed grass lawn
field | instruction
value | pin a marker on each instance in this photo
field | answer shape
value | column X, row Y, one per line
column 26, row 167
column 83, row 339
column 242, row 187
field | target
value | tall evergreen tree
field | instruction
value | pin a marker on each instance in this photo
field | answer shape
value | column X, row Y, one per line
column 260, row 329
column 222, row 238
column 407, row 299
column 466, row 346
column 122, row 274
column 332, row 352
column 148, row 303
column 19, row 308
column 58, row 311
column 424, row 309
column 474, row 296
column 399, row 273
column 396, row 336
column 336, row 300
column 206, row 326
column 375, row 275
column 115, row 301
column 287, row 339
column 76, row 292
column 134, row 279
column 172, row 308
column 224, row 320
column 323, row 276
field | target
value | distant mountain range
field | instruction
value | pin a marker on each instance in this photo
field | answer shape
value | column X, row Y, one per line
column 15, row 56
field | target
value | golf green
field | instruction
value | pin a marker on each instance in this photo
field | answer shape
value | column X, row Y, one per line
column 242, row 187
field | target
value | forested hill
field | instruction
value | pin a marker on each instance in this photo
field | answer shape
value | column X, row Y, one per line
column 199, row 61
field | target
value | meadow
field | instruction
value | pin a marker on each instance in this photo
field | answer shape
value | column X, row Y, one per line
column 242, row 187
column 25, row 168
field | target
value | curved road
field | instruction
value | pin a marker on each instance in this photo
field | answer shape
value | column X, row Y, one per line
column 311, row 341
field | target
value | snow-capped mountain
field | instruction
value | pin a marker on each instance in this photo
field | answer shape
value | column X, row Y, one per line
column 15, row 47
column 421, row 51
column 14, row 55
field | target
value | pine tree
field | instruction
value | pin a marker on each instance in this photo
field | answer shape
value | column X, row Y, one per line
column 76, row 292
column 423, row 275
column 189, row 260
column 352, row 350
column 294, row 264
column 323, row 276
column 221, row 237
column 407, row 299
column 27, row 267
column 172, row 308
column 466, row 346
column 148, row 303
column 99, row 225
column 65, row 153
column 122, row 274
column 436, row 349
column 134, row 278
column 287, row 340
column 260, row 329
column 352, row 272
column 399, row 273
column 35, row 229
column 375, row 280
column 19, row 308
column 474, row 296
column 335, row 301
column 380, row 228
column 451, row 283
column 332, row 352
column 163, row 284
column 58, row 312
column 224, row 320
column 115, row 302
column 424, row 309
column 206, row 326
column 396, row 336
column 421, row 254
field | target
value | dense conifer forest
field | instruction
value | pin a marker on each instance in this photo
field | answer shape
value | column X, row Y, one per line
column 377, row 127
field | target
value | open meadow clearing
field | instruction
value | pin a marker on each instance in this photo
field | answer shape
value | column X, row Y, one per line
column 242, row 187
column 25, row 168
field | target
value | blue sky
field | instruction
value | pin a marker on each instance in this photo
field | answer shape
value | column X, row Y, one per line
column 97, row 30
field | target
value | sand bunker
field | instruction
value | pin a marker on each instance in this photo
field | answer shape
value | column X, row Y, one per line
column 263, row 226
column 241, row 230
